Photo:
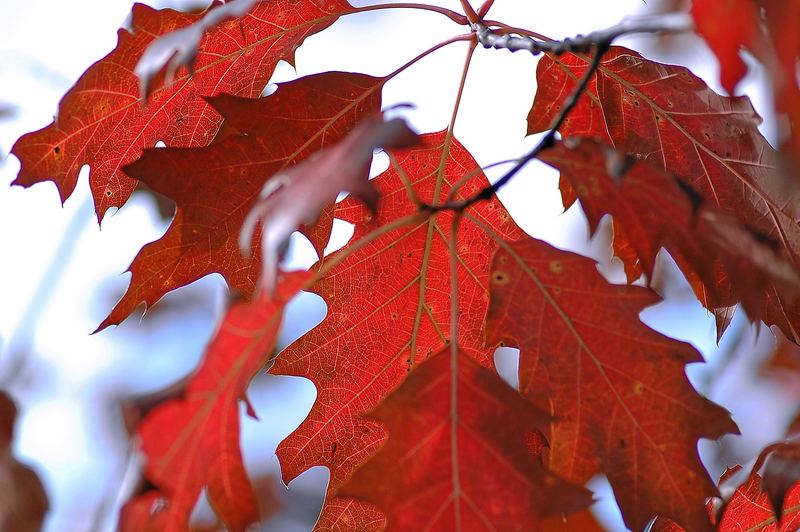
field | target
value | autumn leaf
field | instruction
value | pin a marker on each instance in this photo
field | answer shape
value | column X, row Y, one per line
column 739, row 32
column 298, row 195
column 388, row 310
column 781, row 472
column 104, row 122
column 653, row 210
column 748, row 509
column 617, row 389
column 24, row 502
column 667, row 116
column 216, row 186
column 192, row 442
column 456, row 457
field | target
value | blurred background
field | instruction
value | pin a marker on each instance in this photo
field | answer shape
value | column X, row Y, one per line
column 60, row 273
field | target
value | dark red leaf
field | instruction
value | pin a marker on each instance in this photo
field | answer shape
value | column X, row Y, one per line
column 729, row 27
column 216, row 186
column 192, row 442
column 456, row 457
column 667, row 116
column 104, row 122
column 651, row 209
column 617, row 389
column 23, row 504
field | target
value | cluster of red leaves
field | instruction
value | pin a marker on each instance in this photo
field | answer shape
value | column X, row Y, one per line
column 413, row 422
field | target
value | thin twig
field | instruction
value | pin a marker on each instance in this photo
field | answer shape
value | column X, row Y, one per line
column 546, row 141
column 512, row 41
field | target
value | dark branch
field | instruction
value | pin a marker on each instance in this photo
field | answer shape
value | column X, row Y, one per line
column 599, row 41
column 546, row 141
column 582, row 43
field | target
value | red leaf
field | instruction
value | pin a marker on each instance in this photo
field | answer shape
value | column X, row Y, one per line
column 768, row 30
column 299, row 195
column 388, row 310
column 456, row 457
column 193, row 442
column 216, row 186
column 748, row 509
column 652, row 209
column 728, row 26
column 665, row 115
column 103, row 122
column 617, row 389
column 781, row 472
column 170, row 52
column 24, row 502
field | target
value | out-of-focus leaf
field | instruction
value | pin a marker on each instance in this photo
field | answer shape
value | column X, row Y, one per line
column 298, row 195
column 216, row 186
column 23, row 502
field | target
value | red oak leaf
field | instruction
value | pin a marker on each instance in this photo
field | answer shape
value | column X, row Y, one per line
column 456, row 457
column 217, row 185
column 665, row 115
column 654, row 210
column 192, row 442
column 299, row 195
column 103, row 122
column 617, row 389
column 388, row 310
column 748, row 509
column 24, row 502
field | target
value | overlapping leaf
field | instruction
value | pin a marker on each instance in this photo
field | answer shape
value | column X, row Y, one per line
column 192, row 442
column 103, row 122
column 299, row 195
column 654, row 210
column 388, row 310
column 456, row 457
column 216, row 186
column 665, row 115
column 617, row 388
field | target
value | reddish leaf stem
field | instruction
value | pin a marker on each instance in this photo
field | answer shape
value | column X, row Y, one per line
column 452, row 15
column 457, row 38
column 472, row 16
